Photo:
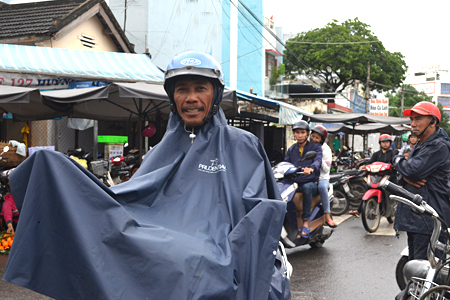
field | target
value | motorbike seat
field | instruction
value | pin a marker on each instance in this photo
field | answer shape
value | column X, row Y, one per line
column 335, row 177
column 298, row 200
column 351, row 172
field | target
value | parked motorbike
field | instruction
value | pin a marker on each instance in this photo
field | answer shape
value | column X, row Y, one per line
column 376, row 201
column 284, row 173
column 426, row 279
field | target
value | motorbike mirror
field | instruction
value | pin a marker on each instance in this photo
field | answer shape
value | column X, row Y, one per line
column 5, row 149
column 309, row 155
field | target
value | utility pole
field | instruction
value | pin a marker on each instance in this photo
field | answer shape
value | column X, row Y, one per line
column 403, row 94
column 367, row 88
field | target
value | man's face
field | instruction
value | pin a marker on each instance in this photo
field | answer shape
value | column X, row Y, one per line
column 315, row 138
column 385, row 145
column 413, row 140
column 419, row 122
column 300, row 135
column 193, row 98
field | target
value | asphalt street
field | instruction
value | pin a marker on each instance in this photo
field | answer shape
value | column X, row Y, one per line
column 352, row 264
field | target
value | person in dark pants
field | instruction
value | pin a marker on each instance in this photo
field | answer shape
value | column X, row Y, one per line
column 311, row 168
column 426, row 172
column 385, row 154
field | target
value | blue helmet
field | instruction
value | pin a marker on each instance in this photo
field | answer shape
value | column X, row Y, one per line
column 192, row 63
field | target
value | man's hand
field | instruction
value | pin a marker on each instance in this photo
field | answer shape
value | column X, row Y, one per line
column 362, row 167
column 308, row 171
column 10, row 228
column 416, row 184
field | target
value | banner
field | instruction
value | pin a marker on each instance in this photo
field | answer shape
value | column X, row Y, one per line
column 379, row 107
column 46, row 82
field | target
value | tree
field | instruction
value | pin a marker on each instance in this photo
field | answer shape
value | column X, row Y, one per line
column 339, row 53
column 276, row 73
column 410, row 97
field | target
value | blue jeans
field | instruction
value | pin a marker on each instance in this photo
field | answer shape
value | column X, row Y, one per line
column 308, row 189
column 323, row 191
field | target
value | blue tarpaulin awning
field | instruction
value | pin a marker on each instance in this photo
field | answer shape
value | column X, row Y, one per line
column 73, row 63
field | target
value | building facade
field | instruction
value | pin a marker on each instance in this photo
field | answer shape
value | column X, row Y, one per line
column 231, row 31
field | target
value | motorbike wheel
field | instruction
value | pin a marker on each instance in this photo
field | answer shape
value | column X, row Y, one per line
column 440, row 292
column 401, row 280
column 358, row 190
column 340, row 203
column 369, row 215
column 316, row 244
column 391, row 219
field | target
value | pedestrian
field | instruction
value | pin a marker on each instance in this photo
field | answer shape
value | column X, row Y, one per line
column 412, row 141
column 426, row 172
column 9, row 214
column 336, row 145
column 200, row 219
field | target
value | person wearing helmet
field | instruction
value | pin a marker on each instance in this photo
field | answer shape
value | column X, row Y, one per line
column 201, row 218
column 307, row 182
column 385, row 154
column 426, row 172
column 412, row 141
column 319, row 135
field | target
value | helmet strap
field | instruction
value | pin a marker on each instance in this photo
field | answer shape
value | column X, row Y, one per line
column 431, row 122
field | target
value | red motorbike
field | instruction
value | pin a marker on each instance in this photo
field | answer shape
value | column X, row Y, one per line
column 376, row 202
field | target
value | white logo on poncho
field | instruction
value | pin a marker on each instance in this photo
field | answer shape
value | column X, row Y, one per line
column 215, row 167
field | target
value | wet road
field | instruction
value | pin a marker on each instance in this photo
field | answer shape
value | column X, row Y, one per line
column 351, row 265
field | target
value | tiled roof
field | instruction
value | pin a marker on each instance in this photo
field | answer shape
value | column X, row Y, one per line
column 33, row 19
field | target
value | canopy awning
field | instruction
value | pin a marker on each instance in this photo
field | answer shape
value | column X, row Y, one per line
column 288, row 113
column 29, row 66
column 115, row 102
column 369, row 128
column 357, row 118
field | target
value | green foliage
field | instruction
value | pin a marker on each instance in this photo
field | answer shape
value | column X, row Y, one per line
column 444, row 119
column 410, row 97
column 341, row 64
column 276, row 74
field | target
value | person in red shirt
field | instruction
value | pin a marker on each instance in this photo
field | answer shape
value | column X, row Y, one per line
column 10, row 213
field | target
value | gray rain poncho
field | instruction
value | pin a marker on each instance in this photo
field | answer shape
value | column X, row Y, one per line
column 197, row 221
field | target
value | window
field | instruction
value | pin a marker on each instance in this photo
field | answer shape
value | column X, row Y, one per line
column 445, row 101
column 445, row 88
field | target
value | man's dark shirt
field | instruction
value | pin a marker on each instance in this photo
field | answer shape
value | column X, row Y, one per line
column 293, row 156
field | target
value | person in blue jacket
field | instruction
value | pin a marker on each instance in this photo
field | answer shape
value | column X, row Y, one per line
column 308, row 181
column 425, row 172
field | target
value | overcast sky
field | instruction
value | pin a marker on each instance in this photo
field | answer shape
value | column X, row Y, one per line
column 420, row 30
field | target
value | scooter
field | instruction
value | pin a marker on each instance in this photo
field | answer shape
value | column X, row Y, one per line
column 426, row 279
column 284, row 173
column 376, row 202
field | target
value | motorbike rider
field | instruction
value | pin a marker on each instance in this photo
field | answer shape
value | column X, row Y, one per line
column 425, row 172
column 319, row 135
column 202, row 215
column 412, row 141
column 311, row 168
column 385, row 154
